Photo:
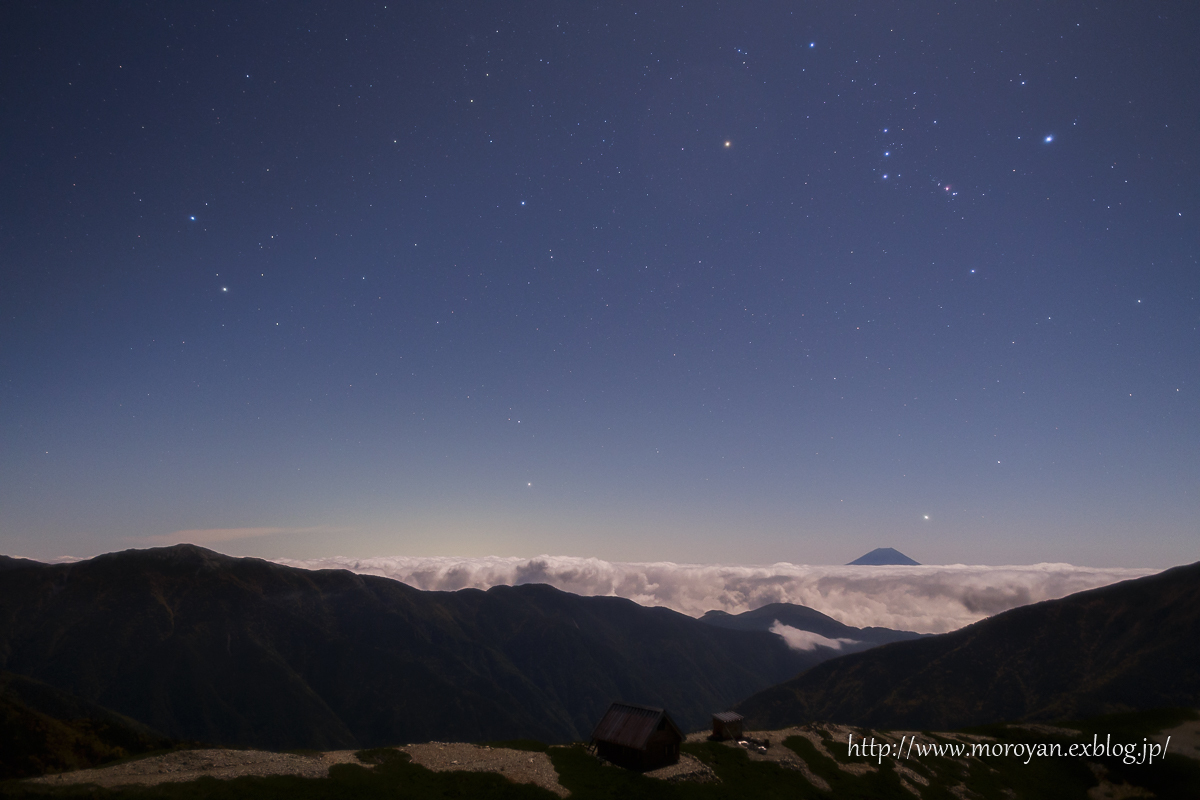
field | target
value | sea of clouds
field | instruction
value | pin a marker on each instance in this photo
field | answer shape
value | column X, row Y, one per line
column 926, row 599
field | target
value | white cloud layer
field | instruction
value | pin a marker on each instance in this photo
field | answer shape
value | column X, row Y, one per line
column 807, row 640
column 926, row 599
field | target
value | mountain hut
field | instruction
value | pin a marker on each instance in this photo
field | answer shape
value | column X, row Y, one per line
column 727, row 725
column 637, row 737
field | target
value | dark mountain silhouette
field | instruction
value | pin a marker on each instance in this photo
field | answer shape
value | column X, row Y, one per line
column 44, row 730
column 1130, row 646
column 8, row 562
column 207, row 647
column 884, row 556
column 807, row 619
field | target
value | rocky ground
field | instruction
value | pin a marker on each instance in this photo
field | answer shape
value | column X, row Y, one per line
column 519, row 766
column 522, row 766
column 188, row 765
column 1185, row 739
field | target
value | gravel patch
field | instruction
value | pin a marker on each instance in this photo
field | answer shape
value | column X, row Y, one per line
column 519, row 766
column 188, row 765
column 688, row 769
column 1185, row 739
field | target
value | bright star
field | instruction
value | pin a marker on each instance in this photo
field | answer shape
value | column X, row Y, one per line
column 926, row 516
column 1049, row 138
column 812, row 44
column 193, row 219
column 729, row 144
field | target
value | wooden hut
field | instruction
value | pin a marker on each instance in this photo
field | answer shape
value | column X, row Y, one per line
column 727, row 725
column 637, row 737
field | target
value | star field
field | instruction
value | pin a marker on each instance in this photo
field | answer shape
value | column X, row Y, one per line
column 701, row 282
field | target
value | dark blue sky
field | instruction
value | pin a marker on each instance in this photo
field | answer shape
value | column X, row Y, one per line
column 696, row 282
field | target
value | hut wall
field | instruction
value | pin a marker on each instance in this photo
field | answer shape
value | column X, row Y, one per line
column 727, row 730
column 620, row 755
column 662, row 749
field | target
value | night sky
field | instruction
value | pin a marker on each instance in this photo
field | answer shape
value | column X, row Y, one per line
column 722, row 283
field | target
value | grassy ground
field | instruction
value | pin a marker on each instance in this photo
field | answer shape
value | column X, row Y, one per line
column 394, row 776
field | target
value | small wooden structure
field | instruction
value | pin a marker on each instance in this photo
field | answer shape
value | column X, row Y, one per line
column 637, row 737
column 727, row 725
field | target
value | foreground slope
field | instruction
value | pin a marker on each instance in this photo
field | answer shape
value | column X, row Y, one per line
column 43, row 729
column 809, row 762
column 206, row 647
column 1132, row 645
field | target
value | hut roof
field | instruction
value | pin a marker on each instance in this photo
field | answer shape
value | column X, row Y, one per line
column 728, row 716
column 631, row 725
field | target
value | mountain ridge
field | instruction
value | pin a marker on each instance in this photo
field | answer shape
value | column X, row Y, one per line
column 1133, row 645
column 807, row 619
column 207, row 647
